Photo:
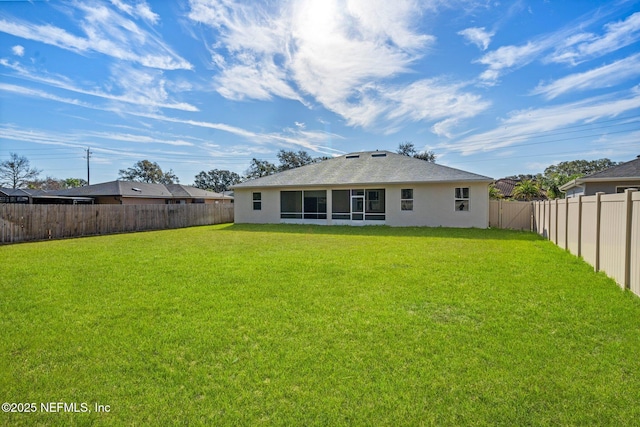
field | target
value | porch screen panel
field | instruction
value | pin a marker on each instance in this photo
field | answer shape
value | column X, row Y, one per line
column 341, row 204
column 374, row 205
column 315, row 204
column 291, row 204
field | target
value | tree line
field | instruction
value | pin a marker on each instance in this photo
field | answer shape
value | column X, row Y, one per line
column 16, row 172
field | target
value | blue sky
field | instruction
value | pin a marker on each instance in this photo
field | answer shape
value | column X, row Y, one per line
column 492, row 87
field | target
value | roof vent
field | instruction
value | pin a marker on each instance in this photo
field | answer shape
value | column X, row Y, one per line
column 379, row 155
column 137, row 189
column 353, row 156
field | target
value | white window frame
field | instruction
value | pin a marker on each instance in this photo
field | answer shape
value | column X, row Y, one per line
column 462, row 199
column 406, row 204
column 257, row 202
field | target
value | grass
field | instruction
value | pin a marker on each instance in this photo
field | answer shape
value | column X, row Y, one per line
column 301, row 325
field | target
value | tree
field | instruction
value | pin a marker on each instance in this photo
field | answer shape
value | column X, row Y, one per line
column 427, row 156
column 47, row 184
column 526, row 190
column 555, row 176
column 495, row 193
column 406, row 149
column 291, row 159
column 288, row 160
column 260, row 168
column 217, row 180
column 50, row 183
column 73, row 182
column 409, row 149
column 579, row 167
column 17, row 172
column 145, row 171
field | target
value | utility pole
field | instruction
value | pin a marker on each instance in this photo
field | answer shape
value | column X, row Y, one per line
column 89, row 153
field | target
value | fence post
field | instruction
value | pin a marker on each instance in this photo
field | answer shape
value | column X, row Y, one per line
column 598, row 215
column 555, row 231
column 580, row 225
column 566, row 224
column 532, row 213
column 500, row 214
column 628, row 204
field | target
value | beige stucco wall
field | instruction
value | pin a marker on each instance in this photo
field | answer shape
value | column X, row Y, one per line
column 243, row 206
column 433, row 205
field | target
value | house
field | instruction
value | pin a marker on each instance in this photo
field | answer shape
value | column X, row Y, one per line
column 30, row 196
column 138, row 193
column 507, row 185
column 367, row 188
column 616, row 179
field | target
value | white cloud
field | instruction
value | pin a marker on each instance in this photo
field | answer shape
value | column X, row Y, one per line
column 137, row 138
column 478, row 36
column 601, row 77
column 144, row 88
column 342, row 54
column 36, row 93
column 434, row 100
column 139, row 10
column 527, row 124
column 316, row 141
column 568, row 45
column 508, row 57
column 107, row 33
column 18, row 50
column 584, row 46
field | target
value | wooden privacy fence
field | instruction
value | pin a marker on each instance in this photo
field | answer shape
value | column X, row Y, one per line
column 23, row 223
column 603, row 229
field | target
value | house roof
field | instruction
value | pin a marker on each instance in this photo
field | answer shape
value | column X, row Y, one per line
column 365, row 168
column 627, row 171
column 506, row 186
column 141, row 190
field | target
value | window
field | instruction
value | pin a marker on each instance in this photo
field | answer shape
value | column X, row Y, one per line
column 257, row 201
column 406, row 199
column 462, row 198
column 374, row 201
column 620, row 190
column 303, row 204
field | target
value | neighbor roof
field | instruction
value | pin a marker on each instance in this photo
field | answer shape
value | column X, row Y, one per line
column 627, row 171
column 365, row 168
column 141, row 189
column 506, row 186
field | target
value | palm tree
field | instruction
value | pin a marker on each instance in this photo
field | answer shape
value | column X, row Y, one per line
column 526, row 190
column 495, row 193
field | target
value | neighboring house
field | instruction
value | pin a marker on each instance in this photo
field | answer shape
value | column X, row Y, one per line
column 367, row 188
column 138, row 193
column 29, row 196
column 507, row 185
column 616, row 179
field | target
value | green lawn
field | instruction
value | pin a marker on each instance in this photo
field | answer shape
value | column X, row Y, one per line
column 298, row 325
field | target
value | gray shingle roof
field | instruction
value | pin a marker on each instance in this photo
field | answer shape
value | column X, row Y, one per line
column 141, row 189
column 364, row 168
column 629, row 169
